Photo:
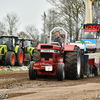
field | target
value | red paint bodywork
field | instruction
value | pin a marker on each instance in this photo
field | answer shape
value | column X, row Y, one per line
column 69, row 47
column 55, row 47
column 57, row 58
column 91, row 61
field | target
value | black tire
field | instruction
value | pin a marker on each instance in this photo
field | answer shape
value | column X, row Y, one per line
column 10, row 58
column 36, row 55
column 27, row 59
column 73, row 63
column 19, row 60
column 60, row 72
column 32, row 73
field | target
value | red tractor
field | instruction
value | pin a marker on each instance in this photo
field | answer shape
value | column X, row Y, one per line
column 65, row 62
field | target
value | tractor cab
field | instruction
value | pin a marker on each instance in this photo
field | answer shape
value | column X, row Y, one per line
column 89, row 34
column 25, row 44
column 89, row 37
column 9, row 41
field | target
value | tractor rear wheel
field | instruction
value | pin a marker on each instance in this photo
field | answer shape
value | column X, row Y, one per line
column 32, row 73
column 27, row 59
column 36, row 55
column 19, row 58
column 10, row 58
column 60, row 72
column 73, row 63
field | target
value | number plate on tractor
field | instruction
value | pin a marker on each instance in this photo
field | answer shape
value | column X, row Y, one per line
column 48, row 68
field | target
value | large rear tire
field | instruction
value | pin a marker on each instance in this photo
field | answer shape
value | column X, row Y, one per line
column 10, row 58
column 27, row 59
column 60, row 72
column 32, row 73
column 19, row 57
column 73, row 63
column 36, row 55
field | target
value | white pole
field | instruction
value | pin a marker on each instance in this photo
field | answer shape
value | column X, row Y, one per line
column 88, row 12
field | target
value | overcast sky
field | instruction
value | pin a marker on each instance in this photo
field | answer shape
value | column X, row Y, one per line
column 29, row 11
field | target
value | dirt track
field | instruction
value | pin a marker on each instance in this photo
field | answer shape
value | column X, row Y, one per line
column 19, row 87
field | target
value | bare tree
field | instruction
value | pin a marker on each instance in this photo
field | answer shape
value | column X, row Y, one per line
column 11, row 21
column 96, row 11
column 2, row 29
column 33, row 32
column 53, row 20
column 71, row 12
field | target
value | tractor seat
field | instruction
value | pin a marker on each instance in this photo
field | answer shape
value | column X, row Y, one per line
column 55, row 43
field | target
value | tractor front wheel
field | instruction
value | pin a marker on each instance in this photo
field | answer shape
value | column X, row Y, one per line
column 10, row 58
column 60, row 72
column 19, row 61
column 36, row 55
column 27, row 59
column 32, row 73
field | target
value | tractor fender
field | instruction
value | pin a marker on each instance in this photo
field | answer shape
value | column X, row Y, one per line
column 17, row 49
column 39, row 47
column 30, row 50
column 4, row 48
column 69, row 47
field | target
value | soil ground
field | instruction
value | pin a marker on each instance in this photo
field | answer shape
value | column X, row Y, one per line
column 18, row 87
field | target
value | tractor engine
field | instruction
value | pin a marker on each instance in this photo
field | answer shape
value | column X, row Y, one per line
column 49, row 53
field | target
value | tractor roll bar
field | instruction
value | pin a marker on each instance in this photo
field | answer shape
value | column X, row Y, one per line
column 58, row 28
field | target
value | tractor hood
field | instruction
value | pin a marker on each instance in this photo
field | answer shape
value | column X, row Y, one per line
column 2, row 46
column 48, row 46
column 88, row 41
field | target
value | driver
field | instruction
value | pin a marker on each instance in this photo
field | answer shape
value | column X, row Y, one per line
column 89, row 36
column 58, row 38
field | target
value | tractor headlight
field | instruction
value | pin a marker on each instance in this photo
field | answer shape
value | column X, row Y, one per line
column 50, row 59
column 42, row 59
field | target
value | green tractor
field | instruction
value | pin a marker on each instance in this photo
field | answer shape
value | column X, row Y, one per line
column 29, row 50
column 10, row 53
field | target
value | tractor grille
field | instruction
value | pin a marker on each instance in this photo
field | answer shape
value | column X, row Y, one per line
column 46, row 47
column 46, row 55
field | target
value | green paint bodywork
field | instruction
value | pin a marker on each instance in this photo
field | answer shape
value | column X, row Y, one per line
column 82, row 41
column 5, row 49
column 16, row 49
column 29, row 50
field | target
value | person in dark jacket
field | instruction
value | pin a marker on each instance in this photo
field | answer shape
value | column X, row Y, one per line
column 58, row 38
